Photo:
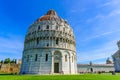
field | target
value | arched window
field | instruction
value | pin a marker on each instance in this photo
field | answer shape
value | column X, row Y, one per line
column 47, row 44
column 65, row 58
column 56, row 27
column 36, row 56
column 47, row 27
column 57, row 41
column 37, row 41
column 63, row 29
column 46, row 57
column 39, row 27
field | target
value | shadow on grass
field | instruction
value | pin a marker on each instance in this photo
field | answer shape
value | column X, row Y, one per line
column 8, row 74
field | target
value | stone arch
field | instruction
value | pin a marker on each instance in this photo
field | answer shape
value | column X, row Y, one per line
column 68, row 63
column 67, row 53
column 57, row 61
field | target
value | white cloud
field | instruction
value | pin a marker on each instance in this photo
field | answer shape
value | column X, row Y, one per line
column 114, row 13
column 105, row 27
column 97, row 17
column 111, row 3
column 105, row 51
column 101, row 35
column 113, row 6
column 73, row 11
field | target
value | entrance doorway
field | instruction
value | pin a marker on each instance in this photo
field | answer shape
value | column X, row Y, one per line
column 56, row 67
column 57, row 62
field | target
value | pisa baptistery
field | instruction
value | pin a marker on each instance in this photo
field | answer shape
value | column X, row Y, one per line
column 49, row 47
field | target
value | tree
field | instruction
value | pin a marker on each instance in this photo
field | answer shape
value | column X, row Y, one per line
column 1, row 61
column 15, row 61
column 7, row 60
column 12, row 61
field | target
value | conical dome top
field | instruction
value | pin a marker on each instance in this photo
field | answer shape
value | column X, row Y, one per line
column 108, row 61
column 51, row 12
column 50, row 15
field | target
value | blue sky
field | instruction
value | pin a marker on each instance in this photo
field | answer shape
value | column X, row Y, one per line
column 96, row 24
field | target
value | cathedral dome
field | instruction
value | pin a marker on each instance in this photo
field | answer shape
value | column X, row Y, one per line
column 108, row 61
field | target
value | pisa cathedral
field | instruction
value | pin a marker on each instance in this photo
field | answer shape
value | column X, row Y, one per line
column 49, row 47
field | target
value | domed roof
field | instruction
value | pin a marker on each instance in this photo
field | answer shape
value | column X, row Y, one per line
column 50, row 31
column 108, row 61
column 51, row 15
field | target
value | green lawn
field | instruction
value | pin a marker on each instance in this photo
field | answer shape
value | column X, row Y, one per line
column 61, row 77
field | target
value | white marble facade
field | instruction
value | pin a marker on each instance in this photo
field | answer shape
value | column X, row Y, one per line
column 49, row 47
column 116, row 58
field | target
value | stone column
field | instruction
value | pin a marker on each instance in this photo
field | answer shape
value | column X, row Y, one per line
column 62, row 63
column 62, row 42
column 49, row 38
column 52, row 61
column 75, row 63
column 40, row 56
column 52, row 40
column 69, row 63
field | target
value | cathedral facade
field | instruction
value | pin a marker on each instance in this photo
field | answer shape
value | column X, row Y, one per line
column 116, row 58
column 49, row 47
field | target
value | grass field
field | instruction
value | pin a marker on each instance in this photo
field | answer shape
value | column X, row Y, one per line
column 61, row 77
